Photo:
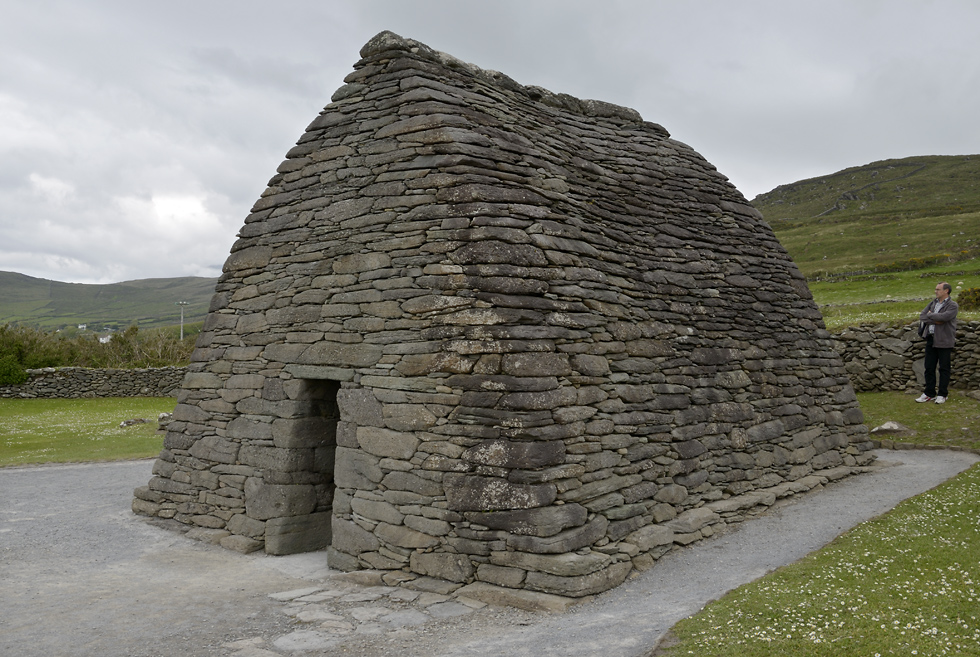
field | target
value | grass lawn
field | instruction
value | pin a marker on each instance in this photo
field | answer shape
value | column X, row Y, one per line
column 74, row 430
column 906, row 583
column 955, row 423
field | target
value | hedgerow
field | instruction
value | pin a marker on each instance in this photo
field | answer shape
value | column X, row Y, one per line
column 23, row 348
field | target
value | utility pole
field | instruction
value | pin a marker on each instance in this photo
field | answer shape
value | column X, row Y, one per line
column 182, row 304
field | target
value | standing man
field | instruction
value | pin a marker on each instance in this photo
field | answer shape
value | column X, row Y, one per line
column 937, row 324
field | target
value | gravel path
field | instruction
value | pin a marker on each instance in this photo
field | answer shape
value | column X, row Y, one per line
column 81, row 575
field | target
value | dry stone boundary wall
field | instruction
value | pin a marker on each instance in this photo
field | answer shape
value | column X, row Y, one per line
column 73, row 382
column 891, row 358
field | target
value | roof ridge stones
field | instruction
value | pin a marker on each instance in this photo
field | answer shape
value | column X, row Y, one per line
column 386, row 44
column 477, row 333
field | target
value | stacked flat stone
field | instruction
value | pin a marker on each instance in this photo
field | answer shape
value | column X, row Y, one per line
column 891, row 357
column 493, row 335
column 73, row 382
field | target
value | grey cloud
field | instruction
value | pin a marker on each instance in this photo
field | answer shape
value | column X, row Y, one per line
column 134, row 137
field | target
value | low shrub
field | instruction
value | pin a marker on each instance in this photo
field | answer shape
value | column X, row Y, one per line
column 11, row 373
column 969, row 299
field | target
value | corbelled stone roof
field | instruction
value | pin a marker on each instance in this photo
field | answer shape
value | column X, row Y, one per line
column 497, row 336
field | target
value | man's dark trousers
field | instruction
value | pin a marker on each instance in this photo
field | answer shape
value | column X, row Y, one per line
column 937, row 356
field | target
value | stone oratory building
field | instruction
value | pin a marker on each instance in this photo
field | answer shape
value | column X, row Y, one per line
column 479, row 332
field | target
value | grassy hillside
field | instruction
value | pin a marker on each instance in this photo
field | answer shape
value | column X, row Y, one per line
column 935, row 185
column 849, row 243
column 149, row 303
column 883, row 213
column 874, row 240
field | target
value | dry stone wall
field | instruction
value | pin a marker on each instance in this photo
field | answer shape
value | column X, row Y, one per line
column 476, row 333
column 891, row 358
column 71, row 382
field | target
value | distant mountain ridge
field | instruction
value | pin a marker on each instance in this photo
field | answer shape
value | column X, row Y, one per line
column 149, row 303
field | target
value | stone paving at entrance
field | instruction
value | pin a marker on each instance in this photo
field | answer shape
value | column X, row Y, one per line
column 340, row 610
column 374, row 610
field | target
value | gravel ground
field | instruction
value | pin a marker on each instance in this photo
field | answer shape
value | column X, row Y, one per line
column 81, row 575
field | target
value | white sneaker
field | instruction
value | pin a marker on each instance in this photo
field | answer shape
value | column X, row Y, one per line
column 940, row 400
column 925, row 398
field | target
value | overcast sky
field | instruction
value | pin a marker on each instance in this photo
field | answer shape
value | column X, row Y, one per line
column 135, row 136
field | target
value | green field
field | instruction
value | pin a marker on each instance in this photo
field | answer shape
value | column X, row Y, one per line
column 75, row 430
column 891, row 298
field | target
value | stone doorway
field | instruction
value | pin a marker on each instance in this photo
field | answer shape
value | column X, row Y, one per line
column 311, row 438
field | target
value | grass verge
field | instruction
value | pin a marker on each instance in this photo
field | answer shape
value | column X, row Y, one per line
column 906, row 583
column 74, row 430
column 953, row 424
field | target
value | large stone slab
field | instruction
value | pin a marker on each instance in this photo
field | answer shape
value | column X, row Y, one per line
column 356, row 469
column 582, row 585
column 387, row 443
column 277, row 458
column 536, row 364
column 541, row 521
column 565, row 565
column 377, row 510
column 692, row 520
column 361, row 407
column 405, row 537
column 294, row 534
column 477, row 493
column 351, row 538
column 565, row 541
column 341, row 355
column 515, row 454
column 506, row 597
column 452, row 567
column 264, row 501
column 651, row 536
column 215, row 448
column 297, row 433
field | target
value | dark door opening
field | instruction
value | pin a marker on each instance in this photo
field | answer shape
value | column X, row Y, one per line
column 324, row 415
